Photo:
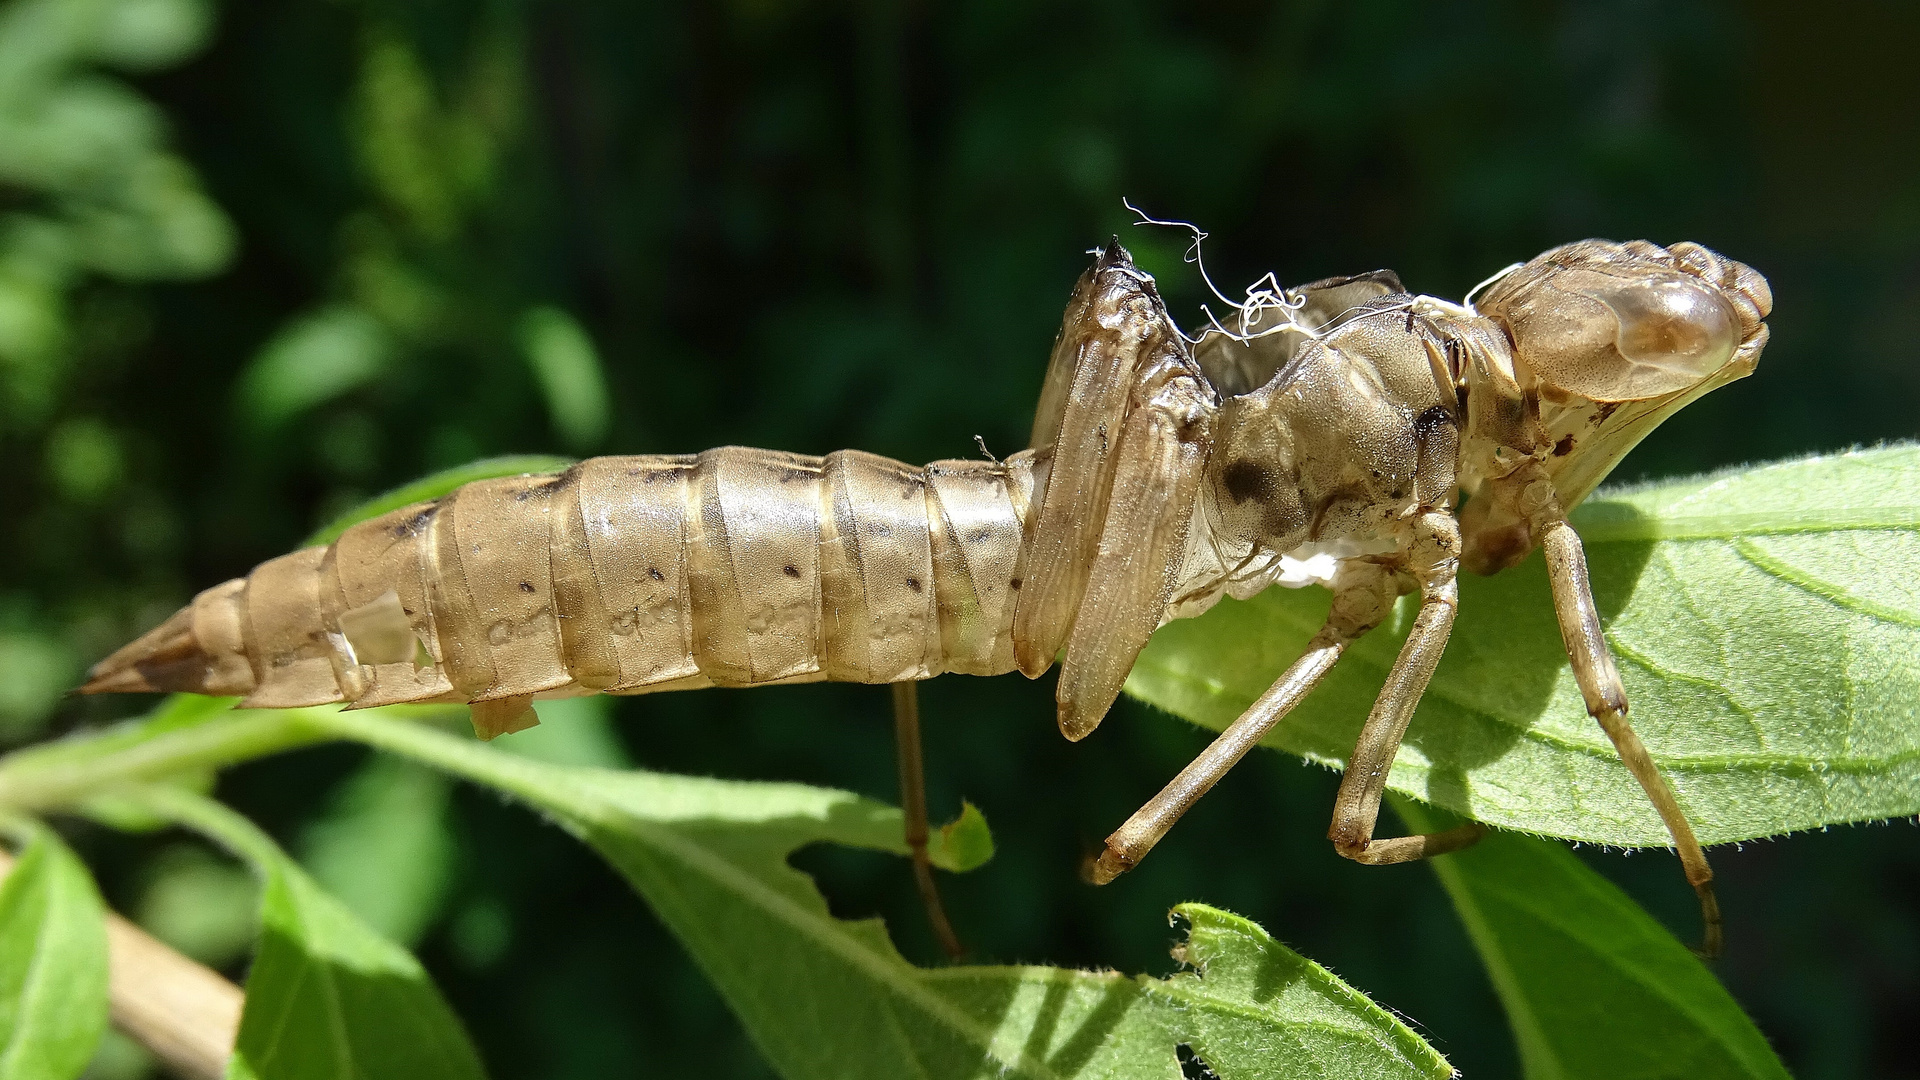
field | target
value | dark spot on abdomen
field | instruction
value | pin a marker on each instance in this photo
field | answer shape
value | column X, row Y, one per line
column 416, row 524
column 1563, row 447
column 790, row 571
column 526, row 586
column 655, row 574
column 913, row 583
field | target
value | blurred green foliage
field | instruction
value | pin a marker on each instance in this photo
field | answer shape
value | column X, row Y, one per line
column 253, row 270
column 92, row 187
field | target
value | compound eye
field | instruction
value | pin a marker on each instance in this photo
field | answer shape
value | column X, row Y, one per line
column 1671, row 333
column 1609, row 338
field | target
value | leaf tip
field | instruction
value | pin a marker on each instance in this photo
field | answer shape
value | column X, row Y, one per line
column 963, row 844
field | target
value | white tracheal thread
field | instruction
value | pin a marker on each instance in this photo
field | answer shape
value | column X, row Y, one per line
column 1265, row 295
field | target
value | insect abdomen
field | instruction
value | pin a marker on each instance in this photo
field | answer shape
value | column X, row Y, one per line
column 735, row 567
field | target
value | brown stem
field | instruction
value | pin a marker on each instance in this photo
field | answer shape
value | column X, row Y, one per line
column 913, row 810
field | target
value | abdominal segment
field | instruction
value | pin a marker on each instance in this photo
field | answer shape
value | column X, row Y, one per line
column 735, row 567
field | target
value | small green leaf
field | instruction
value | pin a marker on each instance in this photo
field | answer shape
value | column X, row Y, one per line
column 145, row 35
column 327, row 997
column 567, row 367
column 963, row 844
column 109, row 808
column 382, row 847
column 313, row 360
column 53, row 963
column 202, row 733
column 824, row 997
column 432, row 487
column 1767, row 624
column 1592, row 985
column 177, row 711
column 199, row 902
column 36, row 671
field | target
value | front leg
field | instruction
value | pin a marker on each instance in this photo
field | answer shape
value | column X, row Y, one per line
column 1600, row 686
column 1434, row 561
column 1363, row 594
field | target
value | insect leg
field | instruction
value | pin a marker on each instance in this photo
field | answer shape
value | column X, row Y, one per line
column 1606, row 699
column 1356, row 809
column 1362, row 596
column 913, row 807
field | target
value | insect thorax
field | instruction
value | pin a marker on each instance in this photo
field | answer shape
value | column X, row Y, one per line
column 1330, row 457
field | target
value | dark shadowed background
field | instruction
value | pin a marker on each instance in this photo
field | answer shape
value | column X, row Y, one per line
column 259, row 261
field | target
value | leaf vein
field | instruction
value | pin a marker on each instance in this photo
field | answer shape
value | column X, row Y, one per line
column 1837, row 595
column 1629, row 652
column 810, row 924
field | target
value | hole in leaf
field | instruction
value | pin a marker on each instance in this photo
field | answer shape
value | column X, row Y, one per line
column 1192, row 1065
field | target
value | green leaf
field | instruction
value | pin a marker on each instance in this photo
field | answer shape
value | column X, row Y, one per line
column 432, row 487
column 313, row 360
column 567, row 367
column 198, row 901
column 180, row 741
column 1766, row 621
column 965, row 842
column 36, row 671
column 53, row 963
column 327, row 997
column 146, row 35
column 824, row 997
column 1592, row 985
column 382, row 847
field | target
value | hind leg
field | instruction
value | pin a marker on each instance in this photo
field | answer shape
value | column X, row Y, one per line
column 1606, row 700
column 913, row 807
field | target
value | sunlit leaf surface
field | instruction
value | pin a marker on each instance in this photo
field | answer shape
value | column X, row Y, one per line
column 825, row 997
column 1593, row 987
column 327, row 997
column 53, row 963
column 1767, row 624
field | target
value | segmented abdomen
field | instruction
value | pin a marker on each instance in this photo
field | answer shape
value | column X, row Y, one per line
column 734, row 567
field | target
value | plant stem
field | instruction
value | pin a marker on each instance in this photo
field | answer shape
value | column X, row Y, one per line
column 62, row 774
column 530, row 780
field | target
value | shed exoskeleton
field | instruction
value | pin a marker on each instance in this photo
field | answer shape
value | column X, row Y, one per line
column 1326, row 436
